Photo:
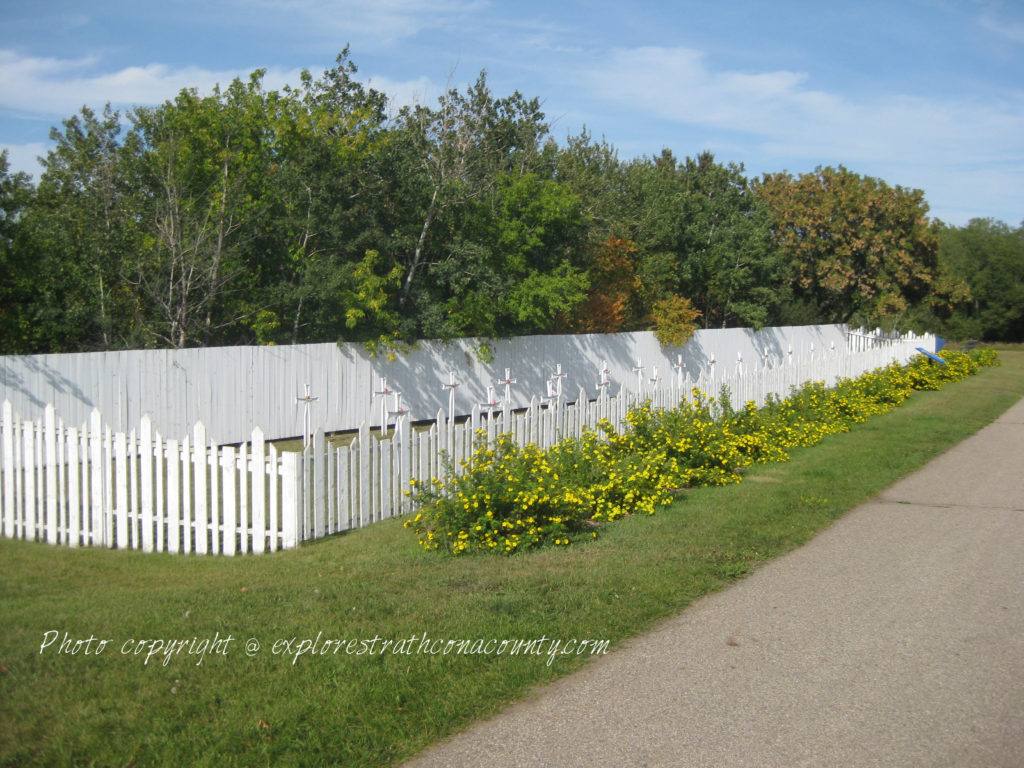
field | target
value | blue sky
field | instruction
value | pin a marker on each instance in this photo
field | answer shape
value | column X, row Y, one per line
column 927, row 94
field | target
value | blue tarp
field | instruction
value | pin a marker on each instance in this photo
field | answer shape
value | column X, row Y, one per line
column 930, row 355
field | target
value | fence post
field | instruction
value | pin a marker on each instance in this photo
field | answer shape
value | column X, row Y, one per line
column 257, row 481
column 146, row 484
column 365, row 447
column 7, row 427
column 200, row 467
column 291, row 499
column 121, row 489
column 50, row 451
column 229, row 505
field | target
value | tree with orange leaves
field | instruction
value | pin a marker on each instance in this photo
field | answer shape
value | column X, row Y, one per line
column 860, row 250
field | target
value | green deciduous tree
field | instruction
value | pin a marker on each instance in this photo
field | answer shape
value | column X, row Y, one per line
column 701, row 235
column 326, row 202
column 860, row 250
column 198, row 165
column 78, row 229
column 495, row 244
column 989, row 257
column 15, row 194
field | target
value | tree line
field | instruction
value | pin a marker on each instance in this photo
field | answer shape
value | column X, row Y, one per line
column 312, row 213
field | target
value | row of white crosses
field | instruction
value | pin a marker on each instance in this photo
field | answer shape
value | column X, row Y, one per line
column 554, row 393
column 396, row 410
column 492, row 403
column 554, row 388
column 739, row 359
column 655, row 379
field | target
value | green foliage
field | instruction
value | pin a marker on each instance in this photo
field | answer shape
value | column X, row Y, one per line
column 859, row 250
column 75, row 233
column 507, row 498
column 675, row 321
column 246, row 215
column 700, row 234
column 989, row 257
column 15, row 194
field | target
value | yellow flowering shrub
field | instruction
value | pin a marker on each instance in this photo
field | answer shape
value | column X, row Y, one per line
column 506, row 497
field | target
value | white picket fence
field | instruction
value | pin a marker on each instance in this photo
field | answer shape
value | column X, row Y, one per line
column 87, row 486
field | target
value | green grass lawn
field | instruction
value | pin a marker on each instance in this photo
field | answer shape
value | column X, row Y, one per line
column 254, row 707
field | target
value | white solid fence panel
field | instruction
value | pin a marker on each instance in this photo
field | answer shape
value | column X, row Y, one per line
column 178, row 388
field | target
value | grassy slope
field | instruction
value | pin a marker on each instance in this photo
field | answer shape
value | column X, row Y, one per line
column 233, row 709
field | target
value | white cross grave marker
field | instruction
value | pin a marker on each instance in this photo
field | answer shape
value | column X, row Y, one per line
column 508, row 381
column 555, row 383
column 639, row 368
column 451, row 386
column 307, row 424
column 680, row 367
column 383, row 392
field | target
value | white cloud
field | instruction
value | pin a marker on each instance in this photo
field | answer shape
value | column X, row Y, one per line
column 968, row 152
column 676, row 84
column 783, row 115
column 60, row 87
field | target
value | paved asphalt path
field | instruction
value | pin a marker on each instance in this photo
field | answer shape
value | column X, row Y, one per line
column 894, row 638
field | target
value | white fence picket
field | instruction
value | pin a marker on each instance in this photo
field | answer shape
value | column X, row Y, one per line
column 50, row 481
column 74, row 490
column 188, row 491
column 7, row 444
column 145, row 453
column 200, row 470
column 291, row 499
column 229, row 504
column 259, row 492
column 100, row 532
column 174, row 497
column 273, row 490
column 242, row 479
column 156, row 450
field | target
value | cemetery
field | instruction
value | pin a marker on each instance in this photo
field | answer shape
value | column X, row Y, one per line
column 224, row 485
